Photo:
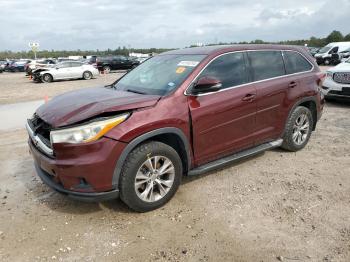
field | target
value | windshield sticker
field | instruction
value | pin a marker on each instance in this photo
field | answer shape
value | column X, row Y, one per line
column 180, row 70
column 188, row 63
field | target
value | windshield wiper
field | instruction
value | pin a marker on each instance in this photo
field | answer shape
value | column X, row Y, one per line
column 135, row 91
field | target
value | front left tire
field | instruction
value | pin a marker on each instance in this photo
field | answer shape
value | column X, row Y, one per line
column 150, row 176
column 47, row 78
column 87, row 75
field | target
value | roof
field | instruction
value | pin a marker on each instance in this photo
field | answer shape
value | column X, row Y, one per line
column 217, row 49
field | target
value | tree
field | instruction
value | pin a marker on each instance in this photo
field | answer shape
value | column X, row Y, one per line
column 335, row 36
column 347, row 37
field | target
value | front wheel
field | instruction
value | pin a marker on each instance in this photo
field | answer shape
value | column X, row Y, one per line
column 106, row 69
column 47, row 78
column 327, row 61
column 150, row 176
column 298, row 129
column 87, row 75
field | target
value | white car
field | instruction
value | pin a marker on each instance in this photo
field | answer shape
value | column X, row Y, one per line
column 337, row 81
column 65, row 70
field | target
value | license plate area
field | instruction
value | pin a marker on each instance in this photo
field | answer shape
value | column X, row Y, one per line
column 346, row 90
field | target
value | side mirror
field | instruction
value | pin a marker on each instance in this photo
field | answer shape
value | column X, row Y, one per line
column 206, row 84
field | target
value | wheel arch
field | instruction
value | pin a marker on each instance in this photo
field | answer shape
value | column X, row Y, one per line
column 308, row 102
column 171, row 136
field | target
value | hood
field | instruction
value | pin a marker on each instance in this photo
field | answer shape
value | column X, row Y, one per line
column 342, row 67
column 76, row 106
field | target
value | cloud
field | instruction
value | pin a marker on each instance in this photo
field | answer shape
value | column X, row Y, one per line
column 101, row 24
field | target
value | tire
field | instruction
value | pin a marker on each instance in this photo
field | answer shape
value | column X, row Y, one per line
column 150, row 154
column 296, row 134
column 87, row 75
column 46, row 78
column 327, row 61
column 106, row 69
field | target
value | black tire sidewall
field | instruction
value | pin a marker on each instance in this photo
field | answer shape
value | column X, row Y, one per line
column 90, row 75
column 133, row 162
column 288, row 142
column 50, row 78
column 107, row 68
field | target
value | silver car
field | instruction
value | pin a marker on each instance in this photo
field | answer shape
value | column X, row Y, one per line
column 65, row 70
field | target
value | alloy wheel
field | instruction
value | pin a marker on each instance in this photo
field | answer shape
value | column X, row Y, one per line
column 301, row 129
column 154, row 178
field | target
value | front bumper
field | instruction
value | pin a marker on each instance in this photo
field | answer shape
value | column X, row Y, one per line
column 86, row 197
column 332, row 89
column 81, row 171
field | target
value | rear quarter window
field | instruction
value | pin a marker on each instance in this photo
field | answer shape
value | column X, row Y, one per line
column 266, row 64
column 295, row 62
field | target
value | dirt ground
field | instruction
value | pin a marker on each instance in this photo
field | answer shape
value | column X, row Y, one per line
column 277, row 206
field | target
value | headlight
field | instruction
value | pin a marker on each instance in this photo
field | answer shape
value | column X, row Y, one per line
column 86, row 133
column 329, row 74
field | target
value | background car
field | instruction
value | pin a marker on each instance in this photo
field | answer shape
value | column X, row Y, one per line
column 38, row 64
column 65, row 70
column 108, row 63
column 17, row 66
column 313, row 50
column 337, row 82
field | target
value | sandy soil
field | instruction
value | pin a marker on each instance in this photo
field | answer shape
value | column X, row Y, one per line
column 16, row 87
column 278, row 206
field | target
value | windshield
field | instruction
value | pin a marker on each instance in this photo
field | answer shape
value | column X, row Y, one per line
column 159, row 75
column 324, row 49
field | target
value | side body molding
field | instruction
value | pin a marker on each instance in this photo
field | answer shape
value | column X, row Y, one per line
column 138, row 140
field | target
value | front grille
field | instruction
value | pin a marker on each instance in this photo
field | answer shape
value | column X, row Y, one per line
column 342, row 78
column 41, row 129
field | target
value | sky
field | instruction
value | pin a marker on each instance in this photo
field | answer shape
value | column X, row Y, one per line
column 92, row 24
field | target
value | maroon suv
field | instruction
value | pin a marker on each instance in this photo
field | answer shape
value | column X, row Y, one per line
column 184, row 112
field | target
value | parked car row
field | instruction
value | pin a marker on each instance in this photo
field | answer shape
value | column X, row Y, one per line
column 333, row 53
column 13, row 65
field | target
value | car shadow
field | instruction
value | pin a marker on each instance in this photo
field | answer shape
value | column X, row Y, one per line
column 338, row 103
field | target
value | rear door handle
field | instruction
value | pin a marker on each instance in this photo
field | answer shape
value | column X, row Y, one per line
column 292, row 84
column 249, row 97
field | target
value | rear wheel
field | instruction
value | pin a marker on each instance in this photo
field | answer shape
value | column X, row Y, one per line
column 106, row 69
column 298, row 129
column 47, row 78
column 327, row 61
column 87, row 75
column 150, row 176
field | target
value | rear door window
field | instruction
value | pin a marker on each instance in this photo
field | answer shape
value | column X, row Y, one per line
column 266, row 64
column 295, row 62
column 230, row 69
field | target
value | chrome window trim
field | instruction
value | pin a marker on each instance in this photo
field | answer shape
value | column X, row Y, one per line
column 249, row 83
column 37, row 141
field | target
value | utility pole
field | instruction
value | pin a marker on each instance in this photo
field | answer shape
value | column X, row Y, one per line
column 34, row 46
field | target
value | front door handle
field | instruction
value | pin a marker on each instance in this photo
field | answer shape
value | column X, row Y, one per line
column 292, row 84
column 249, row 97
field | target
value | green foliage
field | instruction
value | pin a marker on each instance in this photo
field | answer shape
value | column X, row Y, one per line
column 334, row 36
column 347, row 37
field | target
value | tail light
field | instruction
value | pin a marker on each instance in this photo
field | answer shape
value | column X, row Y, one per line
column 94, row 65
column 320, row 77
